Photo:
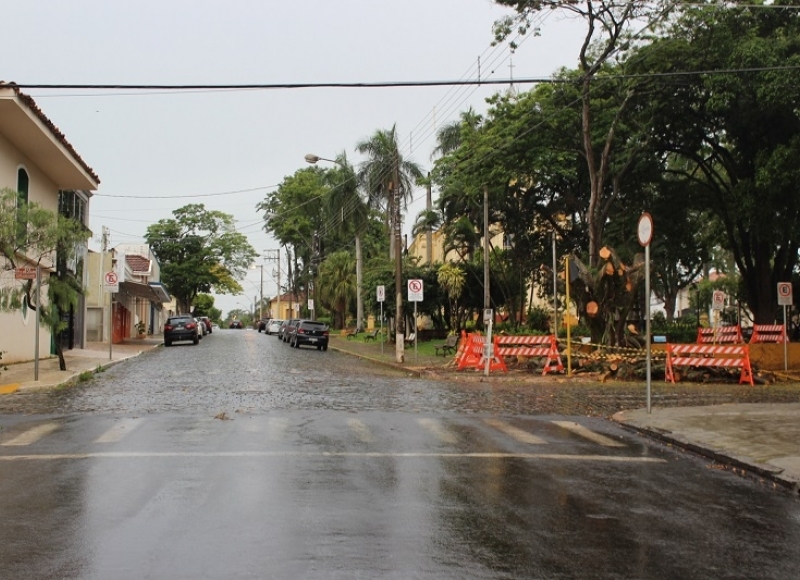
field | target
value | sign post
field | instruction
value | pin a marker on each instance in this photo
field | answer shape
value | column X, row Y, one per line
column 645, row 234
column 381, row 291
column 785, row 299
column 415, row 295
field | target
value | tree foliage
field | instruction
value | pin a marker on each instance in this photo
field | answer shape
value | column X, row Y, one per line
column 199, row 251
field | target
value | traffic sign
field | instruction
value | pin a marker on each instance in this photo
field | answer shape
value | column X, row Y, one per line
column 644, row 230
column 785, row 294
column 718, row 300
column 381, row 293
column 415, row 290
column 111, row 282
column 25, row 273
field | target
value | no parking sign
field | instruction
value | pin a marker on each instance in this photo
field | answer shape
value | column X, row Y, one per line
column 415, row 290
column 785, row 294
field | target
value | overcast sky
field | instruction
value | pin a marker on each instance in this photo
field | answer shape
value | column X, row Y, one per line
column 156, row 151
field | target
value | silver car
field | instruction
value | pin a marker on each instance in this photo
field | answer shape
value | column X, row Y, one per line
column 274, row 326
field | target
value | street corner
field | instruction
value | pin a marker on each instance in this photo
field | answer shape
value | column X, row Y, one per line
column 9, row 389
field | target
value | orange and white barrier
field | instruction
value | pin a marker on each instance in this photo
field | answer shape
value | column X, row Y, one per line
column 768, row 333
column 698, row 355
column 541, row 346
column 473, row 353
column 720, row 335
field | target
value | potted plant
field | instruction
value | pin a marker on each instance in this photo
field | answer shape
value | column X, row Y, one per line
column 141, row 329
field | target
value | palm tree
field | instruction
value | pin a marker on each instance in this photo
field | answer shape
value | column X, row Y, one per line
column 452, row 279
column 377, row 174
column 345, row 200
column 449, row 135
column 337, row 284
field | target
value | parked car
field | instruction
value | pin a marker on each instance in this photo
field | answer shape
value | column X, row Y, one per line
column 284, row 332
column 207, row 321
column 274, row 326
column 235, row 324
column 310, row 332
column 201, row 327
column 262, row 324
column 181, row 327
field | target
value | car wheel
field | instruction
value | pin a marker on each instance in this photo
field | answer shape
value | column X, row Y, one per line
column 167, row 343
column 196, row 340
column 325, row 347
column 319, row 347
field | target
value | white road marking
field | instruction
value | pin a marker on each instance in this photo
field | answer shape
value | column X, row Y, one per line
column 361, row 430
column 518, row 434
column 588, row 434
column 436, row 428
column 118, row 431
column 312, row 454
column 32, row 435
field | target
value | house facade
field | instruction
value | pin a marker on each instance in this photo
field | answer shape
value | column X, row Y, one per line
column 38, row 162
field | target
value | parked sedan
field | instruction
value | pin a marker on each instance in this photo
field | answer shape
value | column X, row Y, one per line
column 310, row 332
column 181, row 327
column 207, row 321
column 274, row 326
column 286, row 326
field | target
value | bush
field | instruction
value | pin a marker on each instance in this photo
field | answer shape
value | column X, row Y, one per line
column 539, row 319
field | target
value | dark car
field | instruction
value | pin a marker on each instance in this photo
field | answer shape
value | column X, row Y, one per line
column 283, row 333
column 310, row 332
column 207, row 321
column 181, row 327
column 235, row 324
column 262, row 324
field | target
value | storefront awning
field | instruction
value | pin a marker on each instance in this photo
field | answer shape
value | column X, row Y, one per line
column 155, row 292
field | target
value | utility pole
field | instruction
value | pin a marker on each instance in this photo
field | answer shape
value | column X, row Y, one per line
column 106, row 235
column 275, row 255
column 399, row 331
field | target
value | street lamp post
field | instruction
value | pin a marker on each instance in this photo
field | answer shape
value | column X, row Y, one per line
column 313, row 159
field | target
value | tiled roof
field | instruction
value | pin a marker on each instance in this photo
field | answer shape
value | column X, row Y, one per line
column 138, row 264
column 31, row 104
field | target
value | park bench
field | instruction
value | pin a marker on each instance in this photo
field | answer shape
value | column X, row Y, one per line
column 411, row 338
column 352, row 333
column 372, row 335
column 449, row 345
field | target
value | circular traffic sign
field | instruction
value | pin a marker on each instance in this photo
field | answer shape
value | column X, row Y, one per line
column 784, row 289
column 415, row 285
column 111, row 278
column 645, row 229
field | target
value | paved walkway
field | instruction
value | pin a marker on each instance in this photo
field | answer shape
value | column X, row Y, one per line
column 760, row 439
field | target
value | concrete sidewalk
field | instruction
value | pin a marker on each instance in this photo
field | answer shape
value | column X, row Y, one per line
column 762, row 439
column 22, row 376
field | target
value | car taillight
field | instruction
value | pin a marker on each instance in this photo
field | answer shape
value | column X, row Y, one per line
column 300, row 331
column 190, row 325
column 167, row 327
column 324, row 333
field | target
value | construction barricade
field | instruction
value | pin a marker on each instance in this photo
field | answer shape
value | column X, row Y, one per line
column 473, row 346
column 768, row 333
column 531, row 346
column 720, row 335
column 701, row 355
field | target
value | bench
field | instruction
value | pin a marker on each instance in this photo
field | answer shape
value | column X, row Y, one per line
column 703, row 355
column 449, row 345
column 352, row 333
column 372, row 335
column 411, row 338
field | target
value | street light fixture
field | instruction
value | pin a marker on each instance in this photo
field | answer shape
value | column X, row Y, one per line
column 313, row 159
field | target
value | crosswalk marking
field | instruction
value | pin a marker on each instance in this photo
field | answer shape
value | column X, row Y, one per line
column 440, row 432
column 32, row 435
column 518, row 434
column 588, row 434
column 120, row 430
column 361, row 430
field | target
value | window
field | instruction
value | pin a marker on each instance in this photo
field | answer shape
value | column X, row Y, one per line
column 72, row 205
column 22, row 203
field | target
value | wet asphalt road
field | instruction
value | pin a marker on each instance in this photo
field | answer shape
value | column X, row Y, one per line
column 244, row 458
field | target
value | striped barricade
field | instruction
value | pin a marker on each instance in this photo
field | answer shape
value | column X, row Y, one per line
column 720, row 335
column 471, row 353
column 530, row 346
column 768, row 333
column 720, row 356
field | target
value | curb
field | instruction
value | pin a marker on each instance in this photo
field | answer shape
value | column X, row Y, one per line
column 391, row 365
column 773, row 474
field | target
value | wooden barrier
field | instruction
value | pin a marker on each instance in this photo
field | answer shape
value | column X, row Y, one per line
column 720, row 335
column 539, row 346
column 698, row 355
column 768, row 333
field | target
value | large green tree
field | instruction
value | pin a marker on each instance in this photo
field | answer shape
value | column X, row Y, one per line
column 200, row 251
column 723, row 100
